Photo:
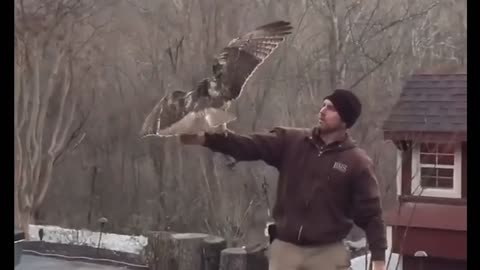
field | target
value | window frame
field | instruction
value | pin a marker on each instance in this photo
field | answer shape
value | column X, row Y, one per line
column 455, row 192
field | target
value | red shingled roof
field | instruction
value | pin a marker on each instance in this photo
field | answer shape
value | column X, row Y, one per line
column 431, row 103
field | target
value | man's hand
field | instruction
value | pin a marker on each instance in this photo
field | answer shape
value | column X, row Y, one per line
column 379, row 265
column 194, row 139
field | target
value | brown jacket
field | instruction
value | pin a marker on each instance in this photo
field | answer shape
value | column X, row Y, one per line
column 322, row 189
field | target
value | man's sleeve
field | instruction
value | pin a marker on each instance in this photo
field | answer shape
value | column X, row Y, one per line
column 368, row 211
column 266, row 146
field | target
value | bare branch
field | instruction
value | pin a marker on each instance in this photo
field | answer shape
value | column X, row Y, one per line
column 67, row 84
column 74, row 136
column 373, row 69
column 406, row 17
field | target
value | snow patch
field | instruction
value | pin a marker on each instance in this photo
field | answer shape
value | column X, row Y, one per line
column 136, row 244
column 358, row 263
column 188, row 235
column 356, row 245
column 117, row 242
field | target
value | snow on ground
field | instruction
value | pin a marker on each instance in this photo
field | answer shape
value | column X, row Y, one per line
column 357, row 244
column 117, row 242
column 358, row 263
column 135, row 244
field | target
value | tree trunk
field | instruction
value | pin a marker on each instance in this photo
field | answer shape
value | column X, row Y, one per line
column 157, row 253
column 233, row 259
column 212, row 247
column 257, row 259
column 188, row 250
column 26, row 219
column 175, row 251
column 244, row 259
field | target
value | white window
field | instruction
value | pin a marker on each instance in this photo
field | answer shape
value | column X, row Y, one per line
column 436, row 170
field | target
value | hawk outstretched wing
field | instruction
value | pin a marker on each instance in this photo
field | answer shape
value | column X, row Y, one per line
column 242, row 56
column 204, row 108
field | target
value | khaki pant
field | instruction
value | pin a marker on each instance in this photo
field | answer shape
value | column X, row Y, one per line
column 286, row 256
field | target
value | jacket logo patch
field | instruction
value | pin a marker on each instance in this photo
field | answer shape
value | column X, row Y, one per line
column 340, row 167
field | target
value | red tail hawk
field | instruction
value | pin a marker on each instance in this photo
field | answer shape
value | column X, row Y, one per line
column 204, row 108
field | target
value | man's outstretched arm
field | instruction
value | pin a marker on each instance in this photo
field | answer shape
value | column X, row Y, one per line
column 266, row 146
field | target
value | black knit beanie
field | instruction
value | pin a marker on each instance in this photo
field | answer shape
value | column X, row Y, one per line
column 347, row 105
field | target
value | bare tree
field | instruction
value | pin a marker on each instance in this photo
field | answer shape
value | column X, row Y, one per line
column 50, row 39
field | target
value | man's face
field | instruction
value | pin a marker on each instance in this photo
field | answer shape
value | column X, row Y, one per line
column 328, row 118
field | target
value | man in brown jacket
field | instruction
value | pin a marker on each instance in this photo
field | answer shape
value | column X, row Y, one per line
column 326, row 184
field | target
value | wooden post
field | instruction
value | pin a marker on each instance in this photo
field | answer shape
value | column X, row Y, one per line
column 233, row 259
column 257, row 258
column 174, row 251
column 158, row 251
column 244, row 258
column 188, row 249
column 212, row 247
column 197, row 251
